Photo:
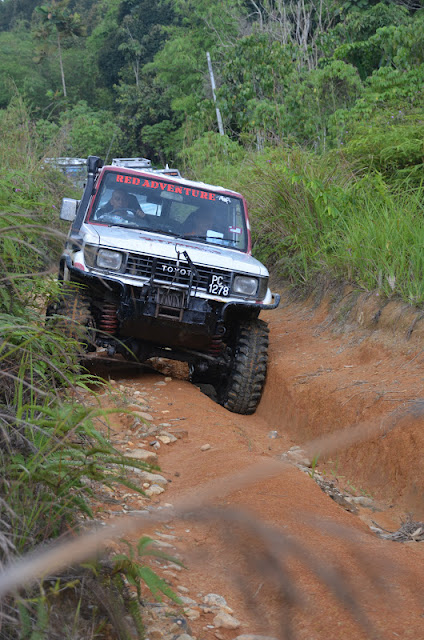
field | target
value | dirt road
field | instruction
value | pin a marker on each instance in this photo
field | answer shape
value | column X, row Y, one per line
column 318, row 566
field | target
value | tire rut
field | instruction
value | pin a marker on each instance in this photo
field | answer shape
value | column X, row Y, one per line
column 317, row 539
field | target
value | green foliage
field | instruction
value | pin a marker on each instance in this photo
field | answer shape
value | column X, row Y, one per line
column 143, row 27
column 393, row 143
column 296, row 203
column 143, row 68
column 56, row 20
column 102, row 45
column 48, row 473
column 374, row 37
column 160, row 141
column 138, row 573
column 210, row 157
column 182, row 57
column 320, row 216
column 146, row 115
column 312, row 102
column 18, row 69
column 52, row 451
column 252, row 100
column 381, row 235
column 27, row 206
column 384, row 129
column 14, row 12
column 90, row 132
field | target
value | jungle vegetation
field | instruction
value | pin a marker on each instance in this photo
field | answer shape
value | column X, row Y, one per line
column 323, row 119
column 323, row 98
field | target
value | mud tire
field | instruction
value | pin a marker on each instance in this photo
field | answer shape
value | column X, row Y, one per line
column 242, row 388
column 72, row 317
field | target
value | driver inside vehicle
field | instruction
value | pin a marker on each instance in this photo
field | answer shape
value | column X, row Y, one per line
column 121, row 203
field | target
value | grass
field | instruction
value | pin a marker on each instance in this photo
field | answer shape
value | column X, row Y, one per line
column 316, row 218
column 344, row 226
column 53, row 456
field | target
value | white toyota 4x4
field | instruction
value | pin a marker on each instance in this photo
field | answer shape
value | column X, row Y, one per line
column 156, row 265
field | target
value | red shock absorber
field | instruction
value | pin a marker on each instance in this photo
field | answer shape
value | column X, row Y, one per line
column 216, row 346
column 108, row 319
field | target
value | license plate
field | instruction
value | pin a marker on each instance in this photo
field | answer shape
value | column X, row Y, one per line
column 217, row 286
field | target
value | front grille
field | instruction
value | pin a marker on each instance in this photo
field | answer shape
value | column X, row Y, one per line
column 166, row 271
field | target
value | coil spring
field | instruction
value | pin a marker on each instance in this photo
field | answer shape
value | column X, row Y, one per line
column 108, row 319
column 216, row 345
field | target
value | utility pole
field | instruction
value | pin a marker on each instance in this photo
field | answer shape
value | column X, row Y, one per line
column 218, row 113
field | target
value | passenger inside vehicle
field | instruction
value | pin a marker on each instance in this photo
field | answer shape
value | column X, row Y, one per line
column 198, row 223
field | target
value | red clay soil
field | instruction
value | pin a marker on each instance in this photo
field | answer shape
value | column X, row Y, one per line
column 320, row 380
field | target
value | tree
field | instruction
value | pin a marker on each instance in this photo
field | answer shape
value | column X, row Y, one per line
column 252, row 95
column 57, row 19
column 13, row 12
column 312, row 103
column 18, row 70
column 90, row 132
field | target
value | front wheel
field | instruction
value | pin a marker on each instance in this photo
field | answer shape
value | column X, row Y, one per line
column 241, row 389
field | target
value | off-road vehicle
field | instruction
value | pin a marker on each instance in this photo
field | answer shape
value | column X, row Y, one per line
column 160, row 266
column 74, row 168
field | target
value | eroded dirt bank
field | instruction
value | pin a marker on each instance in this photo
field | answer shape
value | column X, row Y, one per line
column 320, row 380
column 324, row 376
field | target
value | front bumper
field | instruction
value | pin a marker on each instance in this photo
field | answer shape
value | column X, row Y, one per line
column 149, row 300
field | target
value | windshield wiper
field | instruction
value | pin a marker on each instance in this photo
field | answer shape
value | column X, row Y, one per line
column 188, row 236
column 211, row 239
column 116, row 224
column 161, row 231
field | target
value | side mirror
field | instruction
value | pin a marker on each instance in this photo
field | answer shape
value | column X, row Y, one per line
column 68, row 210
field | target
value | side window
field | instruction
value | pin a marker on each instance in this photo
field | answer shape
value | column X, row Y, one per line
column 149, row 208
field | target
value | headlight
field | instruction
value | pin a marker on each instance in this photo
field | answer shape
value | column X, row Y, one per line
column 109, row 259
column 245, row 285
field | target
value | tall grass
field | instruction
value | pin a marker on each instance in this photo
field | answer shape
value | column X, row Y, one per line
column 51, row 450
column 315, row 217
column 381, row 239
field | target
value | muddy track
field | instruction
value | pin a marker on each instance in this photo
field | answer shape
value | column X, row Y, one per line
column 319, row 382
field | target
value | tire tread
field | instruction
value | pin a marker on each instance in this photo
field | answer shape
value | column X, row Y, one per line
column 246, row 380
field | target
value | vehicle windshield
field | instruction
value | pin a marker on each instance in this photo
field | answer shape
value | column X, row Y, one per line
column 156, row 205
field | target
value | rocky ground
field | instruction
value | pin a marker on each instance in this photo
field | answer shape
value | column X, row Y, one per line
column 314, row 549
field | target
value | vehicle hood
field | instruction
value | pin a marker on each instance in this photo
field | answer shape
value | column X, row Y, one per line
column 164, row 246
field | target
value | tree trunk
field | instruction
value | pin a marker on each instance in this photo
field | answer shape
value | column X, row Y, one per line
column 61, row 64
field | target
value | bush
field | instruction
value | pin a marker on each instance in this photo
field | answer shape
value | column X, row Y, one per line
column 210, row 157
column 384, row 131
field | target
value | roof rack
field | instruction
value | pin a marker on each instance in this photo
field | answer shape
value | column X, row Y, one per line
column 66, row 161
column 145, row 164
column 132, row 163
